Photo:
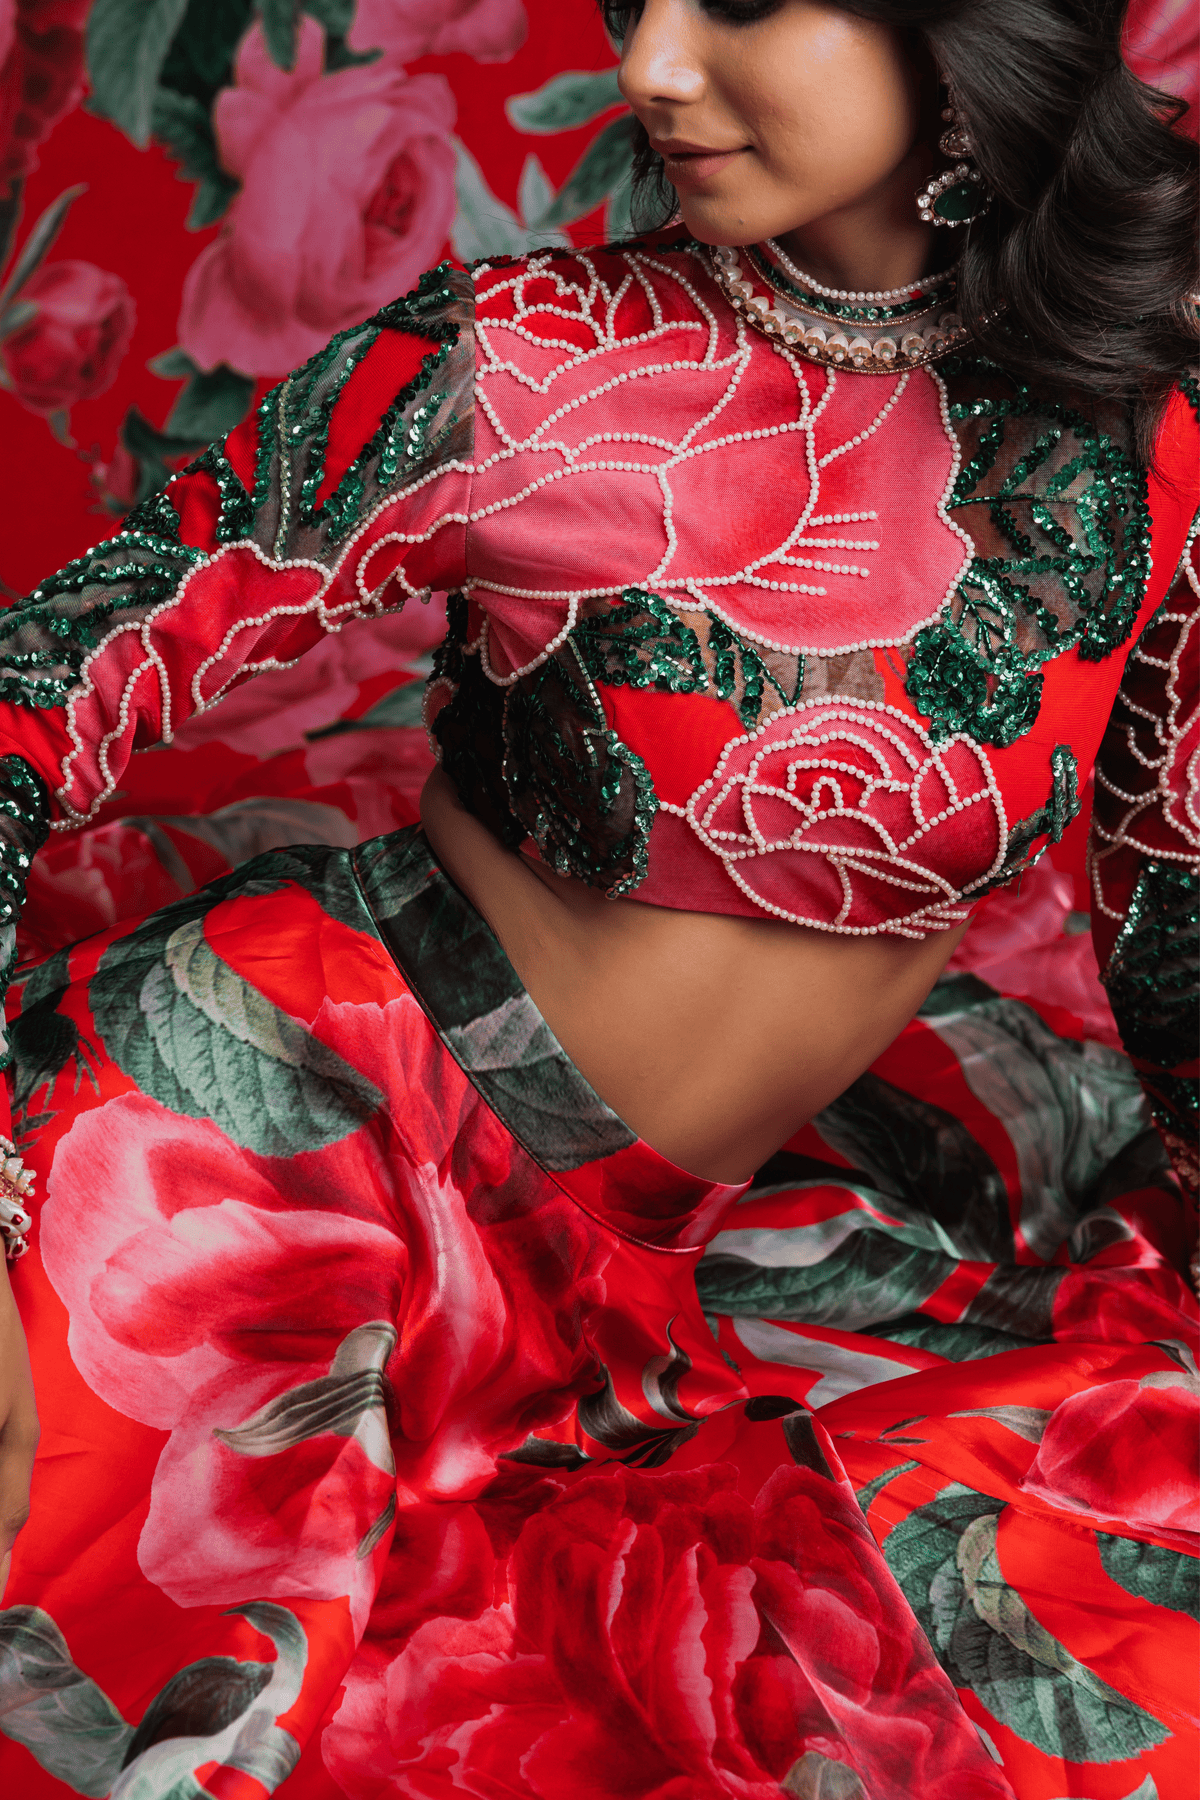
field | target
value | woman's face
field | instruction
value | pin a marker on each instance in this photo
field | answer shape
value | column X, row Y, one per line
column 772, row 115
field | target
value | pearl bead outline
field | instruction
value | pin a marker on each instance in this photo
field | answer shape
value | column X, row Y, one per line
column 939, row 916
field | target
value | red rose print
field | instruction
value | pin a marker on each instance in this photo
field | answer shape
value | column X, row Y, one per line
column 41, row 76
column 72, row 348
column 1151, row 1484
column 663, row 1638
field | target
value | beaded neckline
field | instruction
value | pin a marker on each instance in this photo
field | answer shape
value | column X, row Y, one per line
column 915, row 305
column 812, row 287
column 875, row 340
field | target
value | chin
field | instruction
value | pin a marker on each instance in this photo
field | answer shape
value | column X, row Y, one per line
column 713, row 224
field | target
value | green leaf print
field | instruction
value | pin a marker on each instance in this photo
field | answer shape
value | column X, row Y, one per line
column 43, row 1041
column 217, row 1709
column 200, row 1040
column 958, row 1342
column 58, row 1713
column 472, row 993
column 944, row 1557
column 565, row 102
column 817, row 1777
column 923, row 1155
column 127, row 44
column 870, row 1276
column 1164, row 1577
column 865, row 1495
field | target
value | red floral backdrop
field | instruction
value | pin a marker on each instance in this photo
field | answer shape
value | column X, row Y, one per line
column 194, row 194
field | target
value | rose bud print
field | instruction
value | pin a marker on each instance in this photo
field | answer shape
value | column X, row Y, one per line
column 73, row 346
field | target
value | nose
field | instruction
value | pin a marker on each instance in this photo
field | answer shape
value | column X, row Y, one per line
column 659, row 58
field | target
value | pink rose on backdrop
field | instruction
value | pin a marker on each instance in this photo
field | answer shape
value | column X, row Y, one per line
column 488, row 30
column 347, row 196
column 41, row 76
column 74, row 345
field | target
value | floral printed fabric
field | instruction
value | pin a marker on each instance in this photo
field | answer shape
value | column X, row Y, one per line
column 379, row 1459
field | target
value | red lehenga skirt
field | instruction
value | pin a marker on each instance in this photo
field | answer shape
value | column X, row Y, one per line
column 412, row 1429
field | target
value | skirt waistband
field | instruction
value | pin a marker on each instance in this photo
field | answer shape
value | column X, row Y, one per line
column 475, row 1000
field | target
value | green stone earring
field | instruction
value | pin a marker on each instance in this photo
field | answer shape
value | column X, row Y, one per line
column 960, row 195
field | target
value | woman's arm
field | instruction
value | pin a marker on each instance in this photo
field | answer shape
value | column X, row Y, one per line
column 1145, row 862
column 18, row 1425
column 343, row 494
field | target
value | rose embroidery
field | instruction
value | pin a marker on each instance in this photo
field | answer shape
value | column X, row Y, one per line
column 845, row 802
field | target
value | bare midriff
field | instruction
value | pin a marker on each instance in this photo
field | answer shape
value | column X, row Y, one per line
column 714, row 1037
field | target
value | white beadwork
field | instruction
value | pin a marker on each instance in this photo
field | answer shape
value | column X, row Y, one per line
column 896, row 868
column 881, row 297
column 783, row 319
column 1140, row 825
column 694, row 337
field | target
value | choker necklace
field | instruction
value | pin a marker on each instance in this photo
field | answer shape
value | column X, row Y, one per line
column 882, row 341
column 919, row 306
column 814, row 287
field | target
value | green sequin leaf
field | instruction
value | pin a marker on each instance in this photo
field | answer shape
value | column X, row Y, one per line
column 1151, row 976
column 1053, row 816
column 643, row 643
column 1066, row 566
column 585, row 798
column 994, row 701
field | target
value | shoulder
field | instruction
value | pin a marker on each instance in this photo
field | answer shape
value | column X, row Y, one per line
column 656, row 263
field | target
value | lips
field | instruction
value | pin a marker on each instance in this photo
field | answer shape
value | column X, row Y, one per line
column 693, row 163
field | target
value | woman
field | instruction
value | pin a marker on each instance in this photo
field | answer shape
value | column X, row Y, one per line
column 798, row 564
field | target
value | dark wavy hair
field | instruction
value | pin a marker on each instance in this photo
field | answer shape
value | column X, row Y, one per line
column 1079, row 275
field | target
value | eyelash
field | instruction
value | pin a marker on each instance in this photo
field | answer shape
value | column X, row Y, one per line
column 742, row 12
column 731, row 12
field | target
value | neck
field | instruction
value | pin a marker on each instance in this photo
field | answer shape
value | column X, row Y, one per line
column 878, row 241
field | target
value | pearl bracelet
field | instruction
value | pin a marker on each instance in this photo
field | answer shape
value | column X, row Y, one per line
column 16, row 1184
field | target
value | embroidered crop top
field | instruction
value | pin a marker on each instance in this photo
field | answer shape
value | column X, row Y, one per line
column 729, row 631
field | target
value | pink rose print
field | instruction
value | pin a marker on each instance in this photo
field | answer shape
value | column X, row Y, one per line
column 663, row 1637
column 74, row 345
column 1126, row 1451
column 870, row 803
column 347, row 195
column 488, row 30
column 266, row 1485
column 1161, row 48
column 250, row 1305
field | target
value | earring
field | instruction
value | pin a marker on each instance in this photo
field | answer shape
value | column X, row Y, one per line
column 960, row 195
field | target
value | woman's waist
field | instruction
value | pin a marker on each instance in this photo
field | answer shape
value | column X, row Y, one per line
column 714, row 1037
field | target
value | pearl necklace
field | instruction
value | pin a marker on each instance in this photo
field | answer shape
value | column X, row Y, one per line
column 885, row 294
column 879, row 348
